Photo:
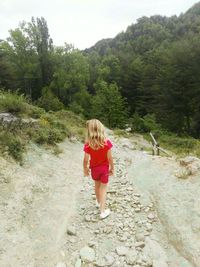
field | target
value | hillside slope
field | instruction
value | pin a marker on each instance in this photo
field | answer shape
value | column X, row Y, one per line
column 49, row 218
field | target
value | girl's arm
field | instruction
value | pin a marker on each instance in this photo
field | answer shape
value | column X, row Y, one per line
column 85, row 164
column 110, row 160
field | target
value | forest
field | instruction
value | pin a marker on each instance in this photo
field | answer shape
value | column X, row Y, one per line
column 147, row 76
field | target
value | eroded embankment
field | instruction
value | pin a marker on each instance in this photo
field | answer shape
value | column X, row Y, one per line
column 49, row 218
column 176, row 201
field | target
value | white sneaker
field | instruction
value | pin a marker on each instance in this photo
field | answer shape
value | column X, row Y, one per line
column 105, row 214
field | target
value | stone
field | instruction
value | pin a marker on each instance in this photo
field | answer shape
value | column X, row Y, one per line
column 149, row 227
column 147, row 209
column 131, row 257
column 188, row 160
column 159, row 263
column 122, row 251
column 137, row 209
column 72, row 239
column 87, row 254
column 147, row 259
column 71, row 230
column 92, row 244
column 151, row 216
column 100, row 263
column 109, row 260
column 140, row 237
column 140, row 244
column 153, row 250
column 78, row 263
column 61, row 264
column 87, row 218
column 5, row 179
column 123, row 238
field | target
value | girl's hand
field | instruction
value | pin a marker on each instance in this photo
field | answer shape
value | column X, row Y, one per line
column 86, row 172
column 111, row 172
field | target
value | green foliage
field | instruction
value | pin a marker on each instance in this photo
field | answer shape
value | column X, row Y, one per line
column 49, row 101
column 28, row 53
column 55, row 127
column 50, row 128
column 151, row 68
column 35, row 112
column 11, row 144
column 76, row 108
column 159, row 63
column 180, row 145
column 13, row 102
column 18, row 104
column 146, row 124
column 108, row 105
column 71, row 75
column 109, row 69
column 48, row 135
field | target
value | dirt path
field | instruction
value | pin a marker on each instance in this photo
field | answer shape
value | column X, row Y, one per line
column 36, row 206
column 48, row 214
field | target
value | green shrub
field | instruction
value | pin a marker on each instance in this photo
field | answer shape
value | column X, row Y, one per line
column 48, row 135
column 55, row 136
column 49, row 101
column 146, row 124
column 12, row 144
column 16, row 148
column 76, row 108
column 41, row 136
column 51, row 127
column 137, row 123
column 35, row 112
column 13, row 103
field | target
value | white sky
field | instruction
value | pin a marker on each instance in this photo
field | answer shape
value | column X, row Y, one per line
column 84, row 22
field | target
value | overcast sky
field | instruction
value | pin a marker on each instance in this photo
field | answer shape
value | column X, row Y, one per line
column 84, row 22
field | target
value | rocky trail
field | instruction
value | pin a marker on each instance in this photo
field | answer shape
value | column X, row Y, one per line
column 49, row 219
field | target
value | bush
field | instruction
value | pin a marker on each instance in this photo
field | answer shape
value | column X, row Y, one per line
column 35, row 112
column 137, row 124
column 13, row 103
column 49, row 136
column 49, row 101
column 51, row 128
column 76, row 108
column 12, row 144
column 146, row 124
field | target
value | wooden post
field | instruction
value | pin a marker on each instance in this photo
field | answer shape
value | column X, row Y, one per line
column 156, row 147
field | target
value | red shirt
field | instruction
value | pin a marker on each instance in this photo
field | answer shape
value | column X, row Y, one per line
column 98, row 157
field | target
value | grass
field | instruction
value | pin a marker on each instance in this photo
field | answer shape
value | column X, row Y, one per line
column 182, row 146
column 18, row 105
column 53, row 127
column 49, row 129
column 121, row 133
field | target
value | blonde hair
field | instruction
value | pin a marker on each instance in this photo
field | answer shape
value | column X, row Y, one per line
column 95, row 136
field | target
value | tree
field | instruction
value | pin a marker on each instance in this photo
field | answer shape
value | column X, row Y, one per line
column 71, row 76
column 108, row 105
column 38, row 32
column 180, row 79
column 28, row 50
column 7, row 73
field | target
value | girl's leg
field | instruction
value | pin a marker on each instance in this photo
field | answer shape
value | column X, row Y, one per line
column 97, row 190
column 103, row 191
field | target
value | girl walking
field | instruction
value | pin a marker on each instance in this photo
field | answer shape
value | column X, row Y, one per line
column 98, row 159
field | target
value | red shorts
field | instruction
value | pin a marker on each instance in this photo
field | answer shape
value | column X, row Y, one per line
column 100, row 173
